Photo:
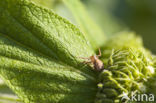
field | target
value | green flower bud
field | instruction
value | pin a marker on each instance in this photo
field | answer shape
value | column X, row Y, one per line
column 127, row 71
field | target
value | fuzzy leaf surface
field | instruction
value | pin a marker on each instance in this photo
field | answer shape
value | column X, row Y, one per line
column 39, row 53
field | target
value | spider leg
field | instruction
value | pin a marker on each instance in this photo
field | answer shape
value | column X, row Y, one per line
column 99, row 53
column 83, row 58
column 87, row 62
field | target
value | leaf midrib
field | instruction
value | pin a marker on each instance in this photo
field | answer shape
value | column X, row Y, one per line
column 52, row 59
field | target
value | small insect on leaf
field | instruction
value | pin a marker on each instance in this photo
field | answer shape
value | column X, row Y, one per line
column 95, row 62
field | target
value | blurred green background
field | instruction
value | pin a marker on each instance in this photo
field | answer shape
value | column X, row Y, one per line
column 134, row 15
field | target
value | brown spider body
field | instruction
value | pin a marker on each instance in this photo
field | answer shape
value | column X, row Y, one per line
column 95, row 61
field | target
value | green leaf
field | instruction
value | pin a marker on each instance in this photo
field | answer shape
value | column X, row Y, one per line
column 46, row 3
column 92, row 32
column 102, row 10
column 54, row 36
column 42, row 84
column 39, row 55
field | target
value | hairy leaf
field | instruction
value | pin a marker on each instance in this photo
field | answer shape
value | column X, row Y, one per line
column 31, row 25
column 39, row 55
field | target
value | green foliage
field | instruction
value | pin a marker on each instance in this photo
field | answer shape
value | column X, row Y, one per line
column 40, row 56
column 32, row 25
column 45, row 3
column 92, row 32
column 101, row 11
column 39, row 53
